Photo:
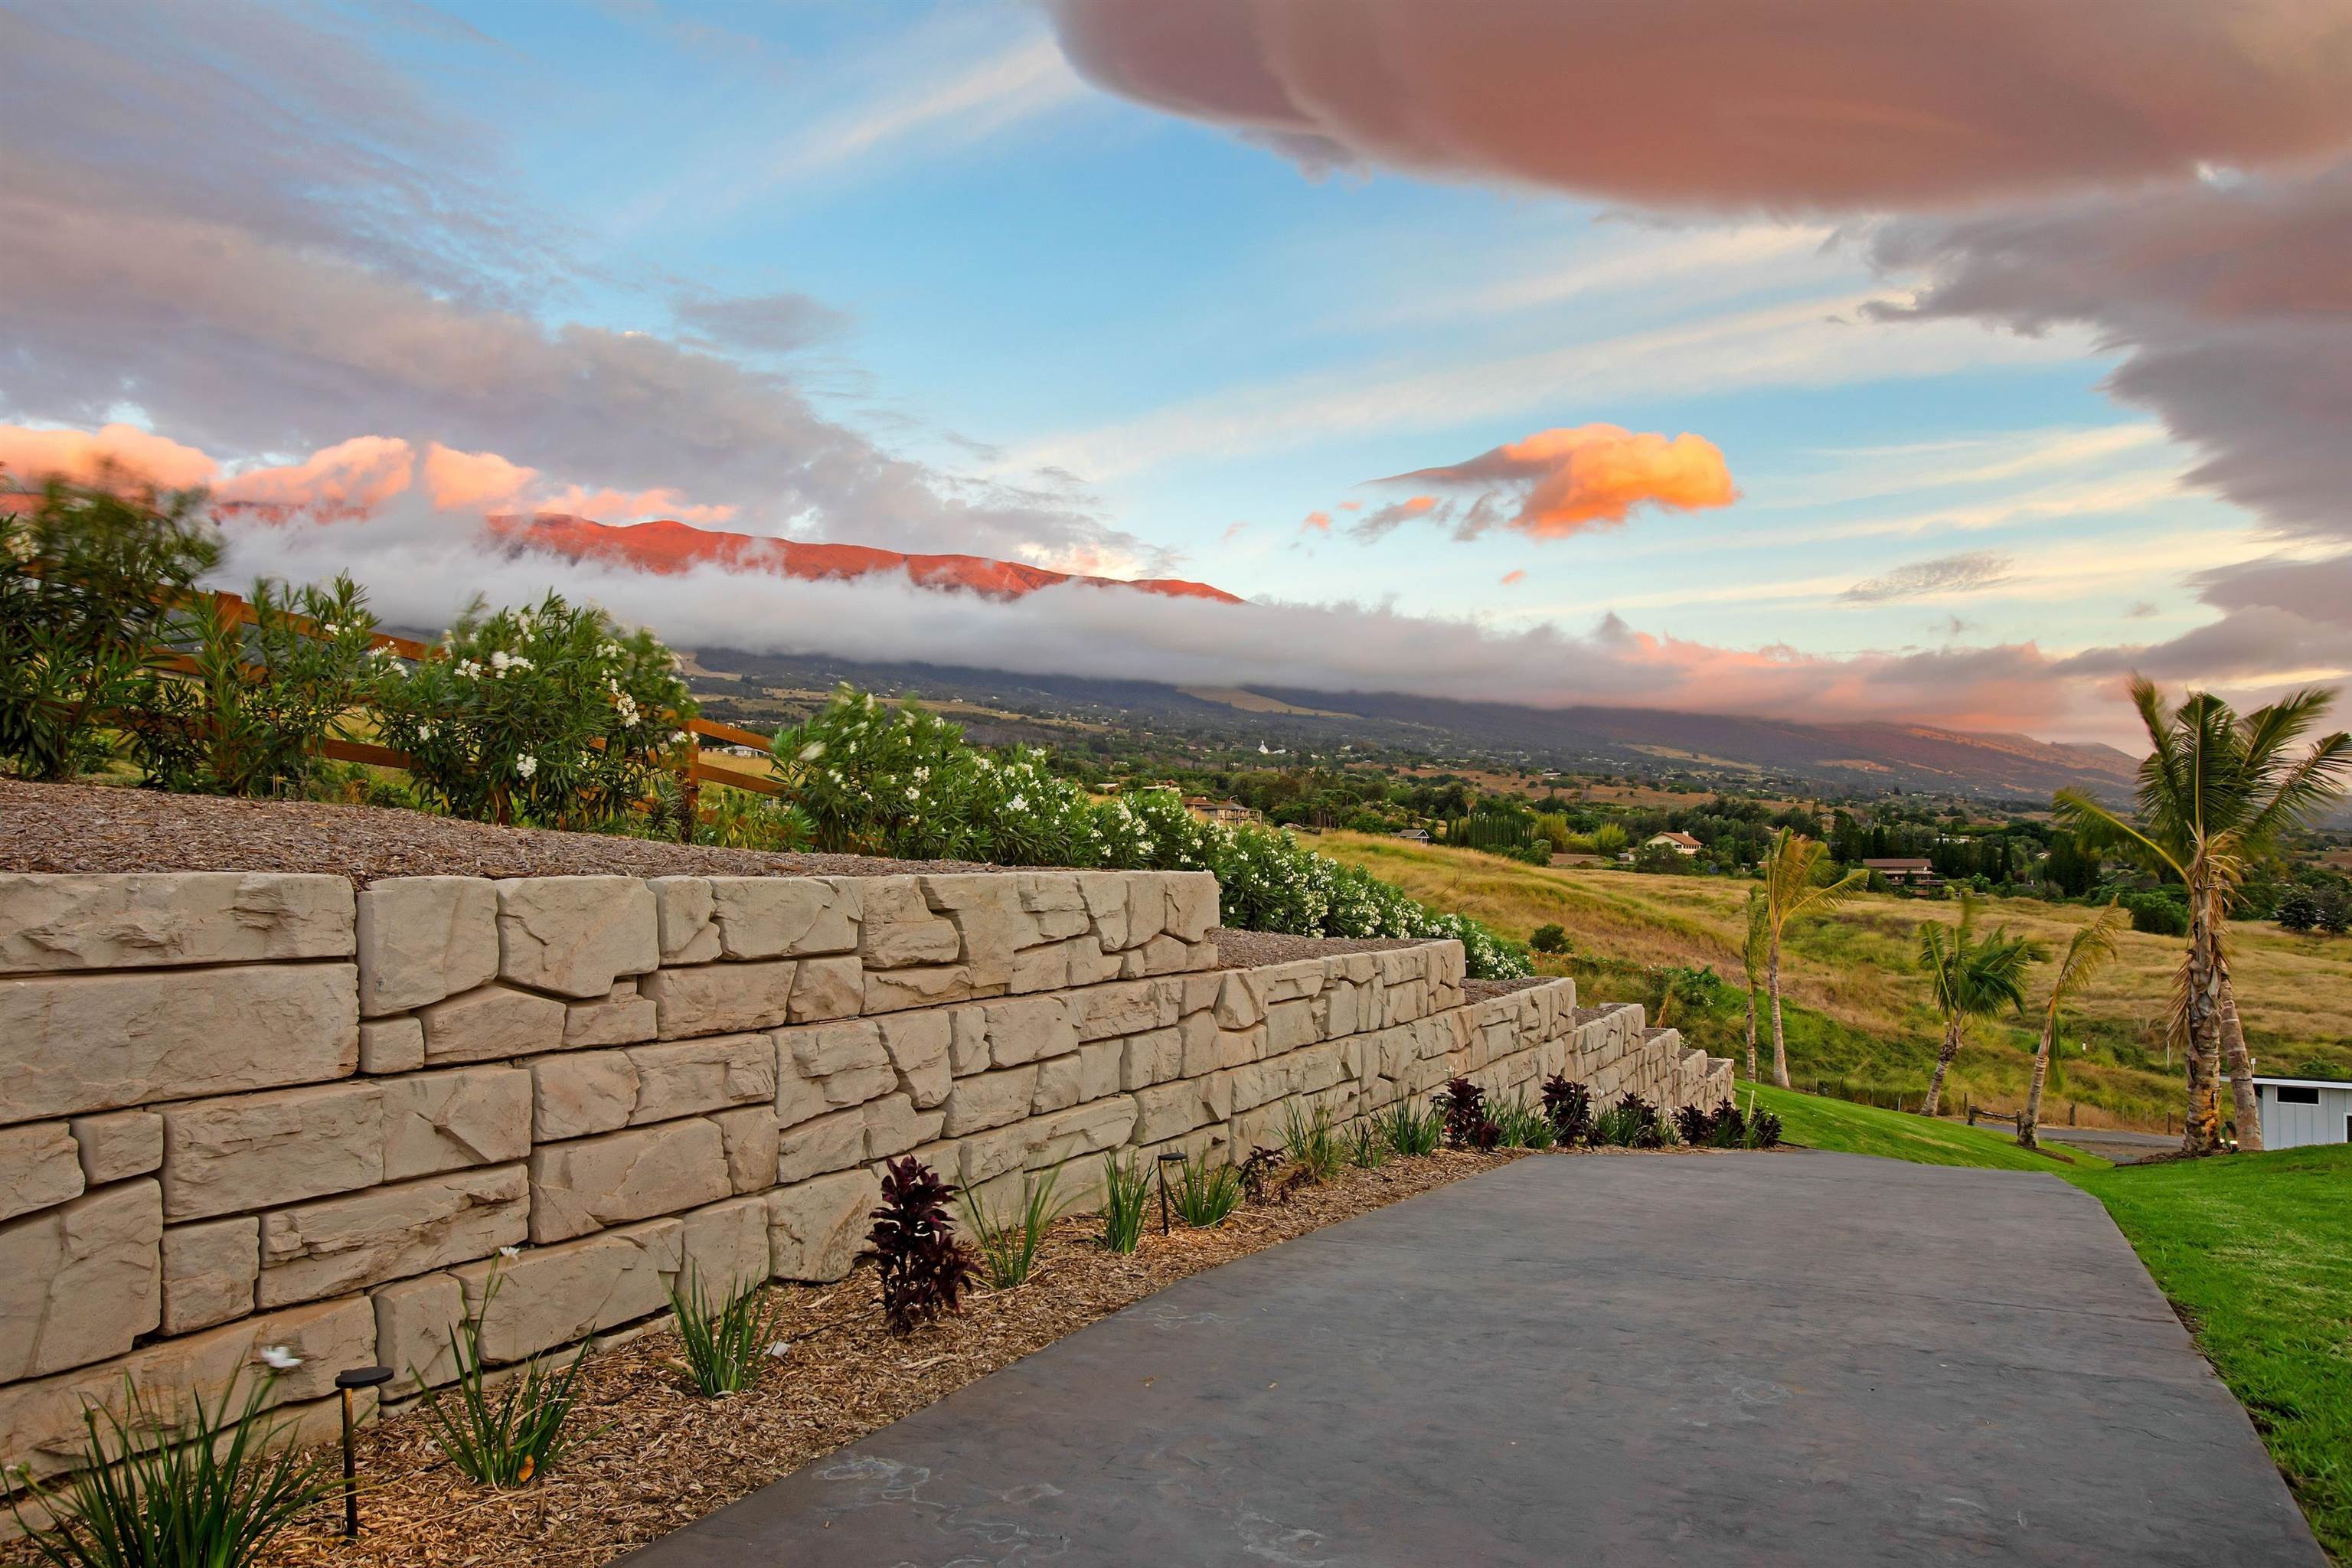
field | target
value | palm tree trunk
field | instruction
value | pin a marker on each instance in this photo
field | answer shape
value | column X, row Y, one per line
column 2245, row 1099
column 1751, row 1034
column 1944, row 1058
column 2202, row 1134
column 2028, row 1120
column 1780, row 1041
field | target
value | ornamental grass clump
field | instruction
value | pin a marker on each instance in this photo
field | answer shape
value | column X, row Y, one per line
column 1202, row 1195
column 1127, row 1199
column 213, row 1493
column 1009, row 1247
column 1519, row 1125
column 1311, row 1143
column 1410, row 1131
column 729, row 1344
column 924, row 1269
column 509, row 1438
column 1367, row 1143
column 1631, row 1123
column 1569, row 1108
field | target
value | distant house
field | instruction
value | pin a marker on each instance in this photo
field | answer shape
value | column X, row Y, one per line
column 1417, row 835
column 1225, row 813
column 2300, row 1110
column 1680, row 842
column 1905, row 873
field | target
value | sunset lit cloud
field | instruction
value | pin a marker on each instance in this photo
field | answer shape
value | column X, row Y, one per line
column 1556, row 483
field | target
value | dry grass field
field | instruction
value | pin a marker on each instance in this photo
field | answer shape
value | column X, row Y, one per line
column 1862, row 1012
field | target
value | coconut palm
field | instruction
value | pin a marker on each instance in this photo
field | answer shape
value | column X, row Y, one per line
column 1792, row 888
column 2091, row 949
column 1752, row 960
column 1971, row 976
column 2218, row 792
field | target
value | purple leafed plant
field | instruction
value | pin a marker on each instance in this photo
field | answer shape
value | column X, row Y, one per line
column 925, row 1269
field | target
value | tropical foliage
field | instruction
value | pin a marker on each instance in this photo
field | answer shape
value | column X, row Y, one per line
column 1971, row 975
column 2216, row 793
column 2091, row 950
column 1796, row 883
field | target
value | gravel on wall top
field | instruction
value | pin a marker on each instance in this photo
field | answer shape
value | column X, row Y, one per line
column 86, row 827
column 1479, row 989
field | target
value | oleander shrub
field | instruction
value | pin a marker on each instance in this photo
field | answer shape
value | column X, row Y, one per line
column 88, row 579
column 924, row 1269
column 900, row 781
column 729, row 1342
column 258, row 695
column 510, row 1435
column 224, row 1485
column 1569, row 1108
column 550, row 715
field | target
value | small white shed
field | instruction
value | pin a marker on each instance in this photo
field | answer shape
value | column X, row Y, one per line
column 2299, row 1111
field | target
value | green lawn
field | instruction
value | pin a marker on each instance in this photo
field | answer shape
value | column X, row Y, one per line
column 2255, row 1251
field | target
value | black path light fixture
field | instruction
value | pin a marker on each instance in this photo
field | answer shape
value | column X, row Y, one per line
column 350, row 1382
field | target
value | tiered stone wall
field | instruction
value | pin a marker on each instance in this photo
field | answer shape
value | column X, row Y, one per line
column 246, row 1110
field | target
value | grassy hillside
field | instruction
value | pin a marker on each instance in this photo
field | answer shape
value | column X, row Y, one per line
column 2253, row 1250
column 1859, row 1012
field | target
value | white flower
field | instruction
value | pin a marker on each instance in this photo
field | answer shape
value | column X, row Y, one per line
column 332, row 629
column 526, row 765
column 499, row 660
column 679, row 737
column 424, row 731
column 280, row 1359
column 1018, row 802
column 812, row 751
column 509, row 1252
column 914, row 794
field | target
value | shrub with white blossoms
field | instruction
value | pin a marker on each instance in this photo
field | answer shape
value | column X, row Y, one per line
column 904, row 782
column 549, row 714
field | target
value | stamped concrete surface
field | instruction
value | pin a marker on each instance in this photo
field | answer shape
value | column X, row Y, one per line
column 1619, row 1360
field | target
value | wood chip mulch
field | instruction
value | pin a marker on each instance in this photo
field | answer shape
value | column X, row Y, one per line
column 657, row 1456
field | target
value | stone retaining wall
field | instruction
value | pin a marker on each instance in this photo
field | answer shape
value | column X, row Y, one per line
column 240, row 1111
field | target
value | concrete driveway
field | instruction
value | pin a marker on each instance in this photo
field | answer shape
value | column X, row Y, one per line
column 1816, row 1359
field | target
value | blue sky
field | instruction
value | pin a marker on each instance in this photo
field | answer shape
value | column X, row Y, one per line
column 1024, row 291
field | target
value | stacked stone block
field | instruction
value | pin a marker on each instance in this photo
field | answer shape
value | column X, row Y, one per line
column 246, row 1110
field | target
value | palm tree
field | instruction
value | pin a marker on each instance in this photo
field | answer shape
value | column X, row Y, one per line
column 1790, row 890
column 2091, row 949
column 2217, row 791
column 1970, row 977
column 1752, row 960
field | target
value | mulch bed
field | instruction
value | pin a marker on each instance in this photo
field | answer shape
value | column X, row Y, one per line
column 659, row 1455
column 96, row 827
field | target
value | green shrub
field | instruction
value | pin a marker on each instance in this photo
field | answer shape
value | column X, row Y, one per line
column 1311, row 1143
column 905, row 783
column 214, row 1494
column 1009, row 1247
column 727, row 1346
column 1519, row 1125
column 1127, row 1197
column 1367, row 1143
column 1202, row 1194
column 87, row 580
column 1631, row 1123
column 2157, row 914
column 550, row 715
column 1548, row 939
column 508, row 1439
column 248, row 717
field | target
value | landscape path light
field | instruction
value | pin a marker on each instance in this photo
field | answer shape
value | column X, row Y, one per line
column 357, row 1377
column 1164, row 1158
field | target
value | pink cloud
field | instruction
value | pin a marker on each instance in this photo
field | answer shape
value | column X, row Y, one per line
column 351, row 479
column 1559, row 482
column 86, row 455
column 1515, row 575
column 1315, row 522
column 475, row 481
column 1784, row 103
